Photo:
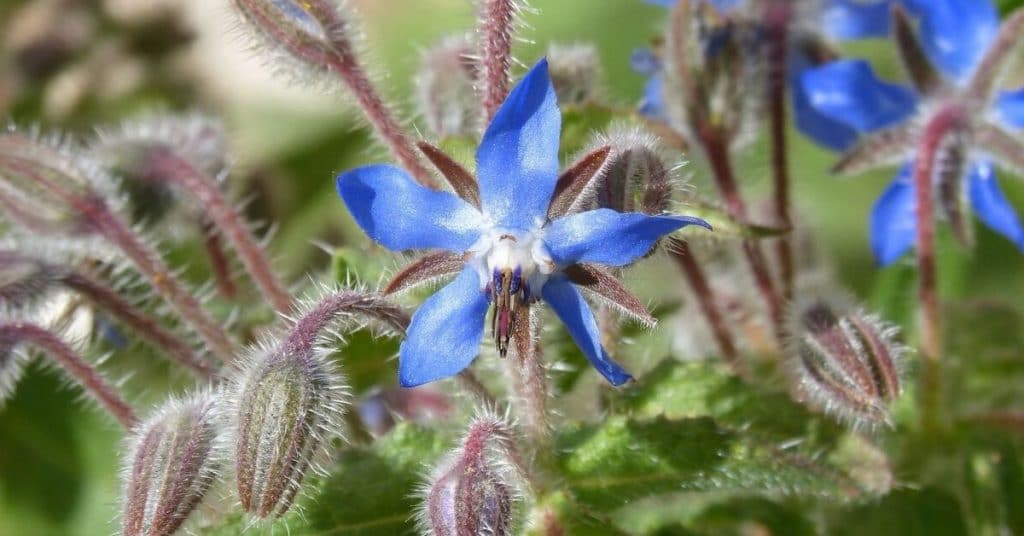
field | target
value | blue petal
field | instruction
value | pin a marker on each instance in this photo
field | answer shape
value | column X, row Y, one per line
column 569, row 305
column 991, row 206
column 652, row 106
column 848, row 91
column 643, row 61
column 955, row 33
column 517, row 163
column 822, row 129
column 893, row 219
column 856, row 19
column 604, row 236
column 1010, row 106
column 400, row 214
column 445, row 333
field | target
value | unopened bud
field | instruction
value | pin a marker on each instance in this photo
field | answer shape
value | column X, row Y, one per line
column 314, row 33
column 637, row 176
column 172, row 466
column 24, row 281
column 50, row 188
column 710, row 63
column 129, row 149
column 288, row 401
column 444, row 88
column 575, row 73
column 469, row 494
column 844, row 361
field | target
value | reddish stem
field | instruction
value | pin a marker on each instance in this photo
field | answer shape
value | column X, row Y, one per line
column 219, row 263
column 142, row 324
column 380, row 116
column 778, row 16
column 680, row 252
column 530, row 377
column 496, row 18
column 80, row 369
column 204, row 189
column 944, row 122
column 717, row 151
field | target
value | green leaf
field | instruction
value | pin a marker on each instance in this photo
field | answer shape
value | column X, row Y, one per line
column 609, row 465
column 371, row 490
column 728, row 227
column 691, row 389
column 984, row 345
column 925, row 512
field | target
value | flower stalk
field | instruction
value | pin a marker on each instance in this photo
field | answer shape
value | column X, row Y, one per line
column 496, row 20
column 777, row 17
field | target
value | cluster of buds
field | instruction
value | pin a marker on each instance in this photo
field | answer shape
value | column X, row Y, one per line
column 844, row 361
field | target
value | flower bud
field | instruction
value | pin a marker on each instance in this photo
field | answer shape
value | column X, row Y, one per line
column 637, row 176
column 172, row 466
column 24, row 280
column 444, row 88
column 469, row 493
column 711, row 62
column 575, row 73
column 844, row 361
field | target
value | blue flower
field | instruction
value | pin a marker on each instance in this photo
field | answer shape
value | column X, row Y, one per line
column 837, row 19
column 512, row 254
column 953, row 62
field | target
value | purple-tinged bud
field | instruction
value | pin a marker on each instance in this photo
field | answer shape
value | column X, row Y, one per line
column 844, row 361
column 638, row 175
column 171, row 466
column 710, row 62
column 575, row 73
column 470, row 493
column 307, row 34
column 287, row 403
column 445, row 94
column 24, row 281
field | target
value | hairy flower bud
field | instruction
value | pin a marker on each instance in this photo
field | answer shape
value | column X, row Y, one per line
column 171, row 467
column 24, row 281
column 575, row 72
column 637, row 177
column 287, row 402
column 844, row 361
column 445, row 96
column 711, row 62
column 469, row 493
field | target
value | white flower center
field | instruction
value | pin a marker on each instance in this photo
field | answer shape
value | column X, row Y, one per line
column 512, row 266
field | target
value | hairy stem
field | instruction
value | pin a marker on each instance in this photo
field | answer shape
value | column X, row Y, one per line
column 943, row 123
column 496, row 18
column 717, row 152
column 698, row 281
column 530, row 377
column 778, row 16
column 204, row 189
column 149, row 263
column 380, row 116
column 78, row 368
column 138, row 321
column 219, row 263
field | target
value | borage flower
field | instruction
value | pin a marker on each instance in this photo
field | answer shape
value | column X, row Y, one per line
column 507, row 236
column 810, row 26
column 955, row 62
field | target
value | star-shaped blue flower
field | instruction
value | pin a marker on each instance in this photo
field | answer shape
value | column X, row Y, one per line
column 512, row 253
column 950, row 61
column 835, row 19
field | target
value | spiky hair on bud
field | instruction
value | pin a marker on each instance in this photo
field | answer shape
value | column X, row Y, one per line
column 445, row 88
column 843, row 360
column 474, row 489
column 576, row 73
column 286, row 401
column 640, row 174
column 200, row 139
column 171, row 463
column 299, row 40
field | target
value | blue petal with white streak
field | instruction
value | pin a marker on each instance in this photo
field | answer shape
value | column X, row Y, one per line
column 856, row 19
column 893, row 223
column 849, row 92
column 824, row 130
column 955, row 34
column 604, row 236
column 397, row 212
column 573, row 311
column 1010, row 107
column 990, row 204
column 517, row 162
column 445, row 333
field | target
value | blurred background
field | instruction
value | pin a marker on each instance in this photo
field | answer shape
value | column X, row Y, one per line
column 76, row 64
